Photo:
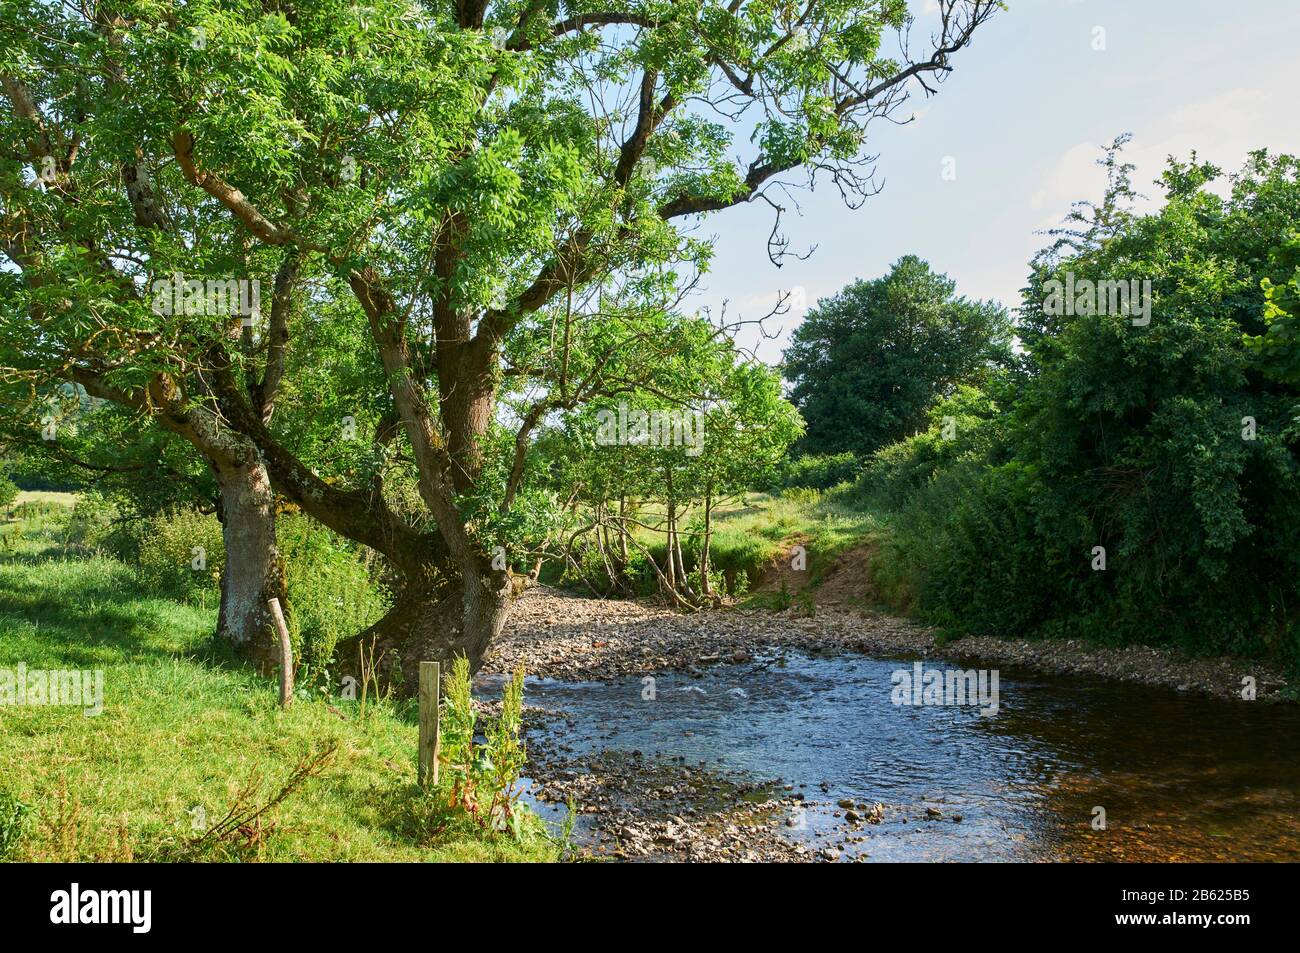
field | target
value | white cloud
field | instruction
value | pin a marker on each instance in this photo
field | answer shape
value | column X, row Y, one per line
column 1221, row 129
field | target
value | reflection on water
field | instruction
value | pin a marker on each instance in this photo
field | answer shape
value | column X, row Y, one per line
column 1180, row 777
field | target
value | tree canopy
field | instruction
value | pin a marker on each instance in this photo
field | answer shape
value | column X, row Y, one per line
column 496, row 198
column 867, row 363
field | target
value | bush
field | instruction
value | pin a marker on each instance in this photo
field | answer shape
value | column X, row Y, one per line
column 179, row 554
column 331, row 594
column 90, row 528
column 1192, row 523
column 813, row 471
column 965, row 552
column 39, row 520
column 801, row 496
column 589, row 570
column 962, row 427
column 8, row 492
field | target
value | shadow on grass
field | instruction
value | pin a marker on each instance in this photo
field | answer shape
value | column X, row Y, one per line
column 82, row 612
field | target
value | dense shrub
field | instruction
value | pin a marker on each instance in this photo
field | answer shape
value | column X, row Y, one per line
column 90, row 525
column 961, row 427
column 179, row 554
column 813, row 471
column 1162, row 443
column 331, row 591
column 8, row 492
column 588, row 570
column 965, row 551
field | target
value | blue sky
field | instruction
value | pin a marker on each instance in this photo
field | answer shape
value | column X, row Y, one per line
column 1024, row 115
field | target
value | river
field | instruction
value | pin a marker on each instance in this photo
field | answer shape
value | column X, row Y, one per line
column 1178, row 776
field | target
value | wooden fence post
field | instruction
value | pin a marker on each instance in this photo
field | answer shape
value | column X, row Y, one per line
column 286, row 654
column 430, row 695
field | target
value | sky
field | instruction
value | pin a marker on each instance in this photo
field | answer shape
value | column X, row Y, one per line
column 1023, row 117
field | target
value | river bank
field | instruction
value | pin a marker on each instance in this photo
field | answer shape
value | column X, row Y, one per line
column 558, row 635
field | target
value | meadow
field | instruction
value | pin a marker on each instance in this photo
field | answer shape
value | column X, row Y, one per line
column 192, row 757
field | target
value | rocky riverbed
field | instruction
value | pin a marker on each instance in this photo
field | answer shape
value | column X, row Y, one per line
column 655, row 805
column 633, row 806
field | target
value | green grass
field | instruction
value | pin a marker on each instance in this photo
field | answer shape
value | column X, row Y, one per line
column 55, row 497
column 751, row 532
column 185, row 725
column 825, row 523
column 825, row 519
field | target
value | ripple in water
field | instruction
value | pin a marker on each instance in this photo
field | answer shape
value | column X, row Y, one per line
column 1180, row 777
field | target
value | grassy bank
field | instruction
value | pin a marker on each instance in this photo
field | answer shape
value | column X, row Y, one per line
column 753, row 536
column 757, row 537
column 187, row 733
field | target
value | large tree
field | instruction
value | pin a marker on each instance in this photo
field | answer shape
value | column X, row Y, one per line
column 505, row 190
column 867, row 364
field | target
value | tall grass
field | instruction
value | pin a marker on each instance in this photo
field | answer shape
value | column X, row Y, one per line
column 825, row 523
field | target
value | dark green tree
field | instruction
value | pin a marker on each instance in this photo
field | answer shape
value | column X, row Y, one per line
column 867, row 363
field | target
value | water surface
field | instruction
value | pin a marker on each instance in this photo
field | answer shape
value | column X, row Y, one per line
column 1179, row 776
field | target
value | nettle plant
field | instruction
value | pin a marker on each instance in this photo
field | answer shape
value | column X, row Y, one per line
column 501, row 196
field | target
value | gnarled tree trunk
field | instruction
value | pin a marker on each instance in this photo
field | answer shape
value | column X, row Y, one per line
column 431, row 620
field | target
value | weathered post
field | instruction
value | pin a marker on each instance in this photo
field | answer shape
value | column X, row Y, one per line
column 430, row 695
column 286, row 654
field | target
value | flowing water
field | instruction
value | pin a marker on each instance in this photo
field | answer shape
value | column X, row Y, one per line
column 1179, row 777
